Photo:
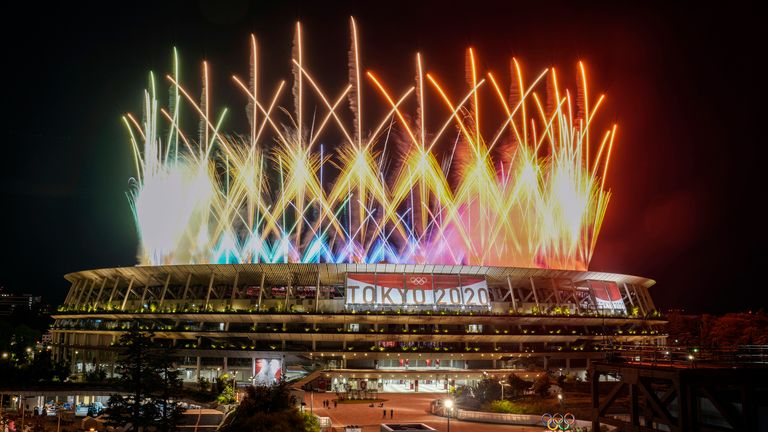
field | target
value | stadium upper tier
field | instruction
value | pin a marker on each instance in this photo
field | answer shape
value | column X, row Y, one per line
column 340, row 288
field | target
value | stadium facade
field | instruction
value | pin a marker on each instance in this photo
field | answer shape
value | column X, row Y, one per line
column 376, row 326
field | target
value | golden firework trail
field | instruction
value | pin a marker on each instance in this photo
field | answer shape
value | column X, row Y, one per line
column 426, row 180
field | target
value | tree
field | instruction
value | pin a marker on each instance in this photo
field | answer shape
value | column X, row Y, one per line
column 147, row 375
column 41, row 369
column 560, row 380
column 23, row 337
column 167, row 392
column 541, row 385
column 268, row 409
column 517, row 384
column 475, row 395
column 97, row 375
column 488, row 390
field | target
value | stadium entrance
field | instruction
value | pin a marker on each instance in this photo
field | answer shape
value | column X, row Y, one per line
column 366, row 383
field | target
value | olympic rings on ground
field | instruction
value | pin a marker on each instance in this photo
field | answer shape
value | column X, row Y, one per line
column 557, row 421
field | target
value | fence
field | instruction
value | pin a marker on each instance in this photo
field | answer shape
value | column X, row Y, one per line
column 501, row 418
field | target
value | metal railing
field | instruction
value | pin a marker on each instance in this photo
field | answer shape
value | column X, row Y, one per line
column 687, row 356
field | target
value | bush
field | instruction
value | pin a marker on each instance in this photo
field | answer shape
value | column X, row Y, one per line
column 203, row 384
column 533, row 406
column 227, row 395
column 502, row 406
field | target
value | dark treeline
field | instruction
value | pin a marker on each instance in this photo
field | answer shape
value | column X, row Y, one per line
column 725, row 332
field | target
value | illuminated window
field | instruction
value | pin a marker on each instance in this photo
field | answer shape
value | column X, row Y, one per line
column 474, row 328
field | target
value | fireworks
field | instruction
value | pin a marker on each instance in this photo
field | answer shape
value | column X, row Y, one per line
column 429, row 180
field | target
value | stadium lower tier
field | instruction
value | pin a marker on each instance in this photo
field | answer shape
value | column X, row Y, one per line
column 393, row 322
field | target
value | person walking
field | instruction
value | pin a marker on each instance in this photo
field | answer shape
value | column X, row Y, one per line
column 335, row 403
column 391, row 413
column 384, row 414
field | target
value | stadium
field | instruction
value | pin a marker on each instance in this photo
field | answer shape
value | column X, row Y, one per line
column 425, row 246
column 398, row 327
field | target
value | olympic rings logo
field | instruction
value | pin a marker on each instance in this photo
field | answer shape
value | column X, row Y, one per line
column 558, row 422
column 418, row 280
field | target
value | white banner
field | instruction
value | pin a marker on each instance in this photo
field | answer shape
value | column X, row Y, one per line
column 267, row 371
column 426, row 290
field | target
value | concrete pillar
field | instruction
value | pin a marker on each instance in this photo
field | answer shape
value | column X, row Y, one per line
column 546, row 363
column 197, row 368
column 225, row 365
column 568, row 364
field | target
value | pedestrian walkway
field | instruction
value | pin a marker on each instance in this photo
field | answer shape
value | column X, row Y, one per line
column 406, row 408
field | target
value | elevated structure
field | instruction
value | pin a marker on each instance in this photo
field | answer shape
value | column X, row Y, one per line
column 668, row 397
column 260, row 321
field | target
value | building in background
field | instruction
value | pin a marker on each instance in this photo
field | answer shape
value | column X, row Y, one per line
column 11, row 303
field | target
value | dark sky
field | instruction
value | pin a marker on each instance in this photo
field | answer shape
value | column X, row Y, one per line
column 682, row 82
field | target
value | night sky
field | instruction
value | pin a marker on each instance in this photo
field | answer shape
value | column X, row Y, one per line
column 681, row 80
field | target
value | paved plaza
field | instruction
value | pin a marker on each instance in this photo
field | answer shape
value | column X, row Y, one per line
column 407, row 407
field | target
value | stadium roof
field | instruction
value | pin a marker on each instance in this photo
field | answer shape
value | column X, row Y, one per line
column 307, row 274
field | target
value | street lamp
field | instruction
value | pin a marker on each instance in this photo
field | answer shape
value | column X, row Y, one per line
column 502, row 383
column 449, row 406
